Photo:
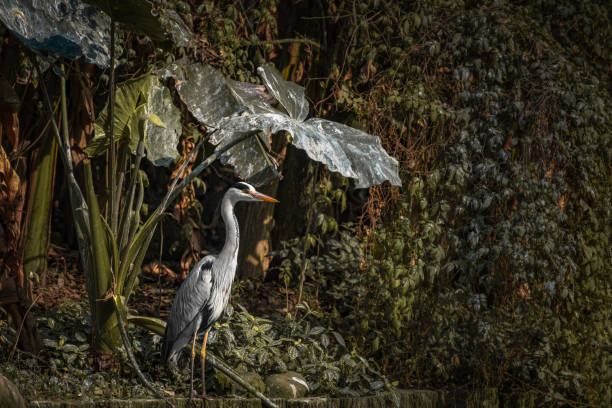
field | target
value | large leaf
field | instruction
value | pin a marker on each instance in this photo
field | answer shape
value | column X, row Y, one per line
column 70, row 29
column 288, row 93
column 161, row 141
column 366, row 156
column 249, row 161
column 130, row 98
column 203, row 90
column 349, row 151
column 142, row 98
column 235, row 108
column 210, row 97
column 252, row 97
column 328, row 151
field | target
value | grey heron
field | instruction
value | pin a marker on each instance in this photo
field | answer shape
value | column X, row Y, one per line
column 202, row 296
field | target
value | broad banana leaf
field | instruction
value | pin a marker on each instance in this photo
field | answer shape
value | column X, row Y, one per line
column 135, row 100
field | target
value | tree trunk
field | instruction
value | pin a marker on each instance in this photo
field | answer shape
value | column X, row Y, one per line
column 256, row 225
column 291, row 210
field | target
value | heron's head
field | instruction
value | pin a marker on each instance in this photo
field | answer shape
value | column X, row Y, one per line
column 245, row 192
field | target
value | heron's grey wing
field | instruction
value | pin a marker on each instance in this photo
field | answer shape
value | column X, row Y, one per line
column 193, row 293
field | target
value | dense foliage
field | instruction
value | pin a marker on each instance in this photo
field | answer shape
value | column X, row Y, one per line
column 250, row 344
column 492, row 268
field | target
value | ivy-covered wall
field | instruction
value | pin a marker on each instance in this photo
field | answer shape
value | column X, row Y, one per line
column 491, row 266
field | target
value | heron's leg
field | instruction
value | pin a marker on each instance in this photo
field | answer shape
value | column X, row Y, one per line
column 195, row 333
column 204, row 364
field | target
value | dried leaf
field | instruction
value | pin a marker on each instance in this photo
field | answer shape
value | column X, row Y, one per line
column 9, row 181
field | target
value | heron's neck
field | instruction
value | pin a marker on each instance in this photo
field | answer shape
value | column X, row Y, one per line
column 229, row 254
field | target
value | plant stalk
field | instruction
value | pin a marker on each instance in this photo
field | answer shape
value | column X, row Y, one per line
column 130, row 354
column 219, row 365
column 126, row 212
column 111, row 166
column 105, row 336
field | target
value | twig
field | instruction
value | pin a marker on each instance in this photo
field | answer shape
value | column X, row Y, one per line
column 3, row 338
column 21, row 327
column 187, row 161
column 309, row 215
column 219, row 365
column 159, row 261
column 130, row 354
column 174, row 192
column 282, row 41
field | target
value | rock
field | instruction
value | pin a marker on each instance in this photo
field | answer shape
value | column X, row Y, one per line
column 9, row 394
column 286, row 385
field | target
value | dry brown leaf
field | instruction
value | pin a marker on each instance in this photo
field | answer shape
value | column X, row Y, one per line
column 9, row 181
column 154, row 268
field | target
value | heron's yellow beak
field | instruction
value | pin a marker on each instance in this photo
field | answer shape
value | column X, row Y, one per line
column 263, row 197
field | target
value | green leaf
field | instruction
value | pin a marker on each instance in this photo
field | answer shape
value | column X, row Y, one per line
column 142, row 104
column 292, row 352
column 130, row 98
column 151, row 323
column 316, row 330
column 339, row 338
column 37, row 233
